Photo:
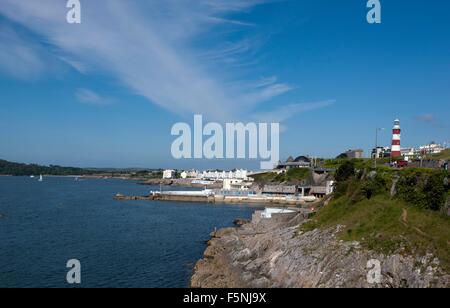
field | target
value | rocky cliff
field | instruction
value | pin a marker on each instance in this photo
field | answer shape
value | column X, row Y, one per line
column 274, row 253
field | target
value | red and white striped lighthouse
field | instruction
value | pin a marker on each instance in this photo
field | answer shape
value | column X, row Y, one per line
column 396, row 135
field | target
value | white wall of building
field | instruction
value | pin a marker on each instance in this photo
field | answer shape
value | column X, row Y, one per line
column 169, row 174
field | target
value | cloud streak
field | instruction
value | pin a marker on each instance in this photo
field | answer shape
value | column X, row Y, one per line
column 427, row 118
column 285, row 112
column 20, row 59
column 149, row 47
column 89, row 97
column 432, row 120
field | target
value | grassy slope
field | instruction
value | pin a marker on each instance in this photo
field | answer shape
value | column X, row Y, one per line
column 445, row 155
column 385, row 225
column 294, row 176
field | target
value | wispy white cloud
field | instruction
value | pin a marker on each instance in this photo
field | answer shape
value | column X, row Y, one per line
column 152, row 47
column 77, row 65
column 431, row 119
column 17, row 57
column 285, row 112
column 428, row 118
column 89, row 97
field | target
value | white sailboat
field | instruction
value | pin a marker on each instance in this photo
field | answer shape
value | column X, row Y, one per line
column 41, row 178
column 32, row 176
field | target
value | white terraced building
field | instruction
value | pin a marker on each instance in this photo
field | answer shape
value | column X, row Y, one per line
column 193, row 174
column 222, row 175
column 432, row 148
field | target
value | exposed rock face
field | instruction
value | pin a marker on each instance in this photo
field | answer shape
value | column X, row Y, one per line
column 447, row 206
column 271, row 253
column 394, row 186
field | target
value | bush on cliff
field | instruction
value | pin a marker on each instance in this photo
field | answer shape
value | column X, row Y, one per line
column 374, row 186
column 345, row 171
column 424, row 189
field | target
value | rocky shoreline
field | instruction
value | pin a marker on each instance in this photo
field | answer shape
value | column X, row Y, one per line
column 273, row 253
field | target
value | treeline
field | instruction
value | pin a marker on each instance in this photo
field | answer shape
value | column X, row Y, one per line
column 18, row 169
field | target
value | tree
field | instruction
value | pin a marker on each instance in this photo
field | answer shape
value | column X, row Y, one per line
column 345, row 171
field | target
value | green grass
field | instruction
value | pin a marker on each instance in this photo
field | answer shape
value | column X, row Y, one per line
column 360, row 163
column 295, row 176
column 265, row 177
column 379, row 225
column 445, row 155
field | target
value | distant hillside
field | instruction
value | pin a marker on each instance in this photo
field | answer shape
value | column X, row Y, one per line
column 18, row 169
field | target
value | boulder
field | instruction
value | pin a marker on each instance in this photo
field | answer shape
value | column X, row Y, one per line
column 222, row 232
column 447, row 206
column 240, row 222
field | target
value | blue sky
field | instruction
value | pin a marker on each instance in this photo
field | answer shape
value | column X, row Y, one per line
column 107, row 92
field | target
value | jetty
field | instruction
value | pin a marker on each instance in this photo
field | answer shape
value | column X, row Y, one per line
column 210, row 196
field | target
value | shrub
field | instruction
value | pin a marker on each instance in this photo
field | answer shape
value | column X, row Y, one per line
column 435, row 192
column 374, row 186
column 424, row 189
column 345, row 171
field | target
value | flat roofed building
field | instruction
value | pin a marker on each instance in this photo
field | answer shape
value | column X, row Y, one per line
column 358, row 153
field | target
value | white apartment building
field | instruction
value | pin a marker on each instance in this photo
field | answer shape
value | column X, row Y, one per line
column 169, row 174
column 432, row 148
column 192, row 174
column 409, row 153
column 216, row 175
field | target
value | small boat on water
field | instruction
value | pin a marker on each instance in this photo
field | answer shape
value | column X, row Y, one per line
column 40, row 178
column 32, row 176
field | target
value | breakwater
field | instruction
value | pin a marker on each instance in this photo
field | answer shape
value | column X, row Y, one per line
column 216, row 198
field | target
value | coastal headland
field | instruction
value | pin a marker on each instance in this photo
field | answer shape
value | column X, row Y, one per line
column 274, row 253
column 376, row 221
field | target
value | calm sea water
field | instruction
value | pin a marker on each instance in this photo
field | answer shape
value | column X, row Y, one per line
column 119, row 244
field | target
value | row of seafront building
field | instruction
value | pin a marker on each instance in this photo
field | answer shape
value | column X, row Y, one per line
column 239, row 185
column 207, row 175
column 412, row 153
